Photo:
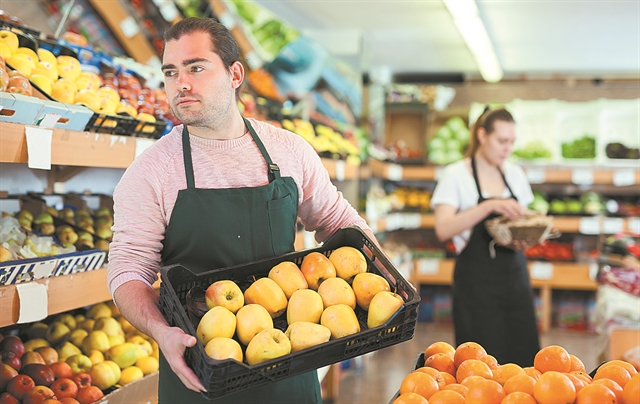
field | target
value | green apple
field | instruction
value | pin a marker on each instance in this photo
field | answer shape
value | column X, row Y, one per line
column 66, row 350
column 123, row 355
column 79, row 363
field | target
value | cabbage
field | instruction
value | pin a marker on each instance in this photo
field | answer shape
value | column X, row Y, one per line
column 456, row 124
column 444, row 133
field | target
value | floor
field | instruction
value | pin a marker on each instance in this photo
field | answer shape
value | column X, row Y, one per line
column 376, row 377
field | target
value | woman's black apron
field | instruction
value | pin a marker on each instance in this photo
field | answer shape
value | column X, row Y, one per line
column 492, row 297
column 217, row 228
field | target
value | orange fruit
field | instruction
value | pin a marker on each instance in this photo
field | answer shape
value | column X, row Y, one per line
column 595, row 394
column 613, row 386
column 485, row 392
column 584, row 376
column 442, row 362
column 448, row 379
column 446, row 397
column 631, row 392
column 439, row 347
column 468, row 350
column 410, row 398
column 578, row 382
column 552, row 357
column 576, row 364
column 629, row 367
column 523, row 383
column 505, row 372
column 471, row 380
column 518, row 397
column 458, row 388
column 614, row 372
column 436, row 374
column 491, row 361
column 473, row 367
column 554, row 388
column 420, row 383
column 533, row 372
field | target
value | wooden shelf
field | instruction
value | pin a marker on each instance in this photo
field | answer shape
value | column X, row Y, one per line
column 341, row 170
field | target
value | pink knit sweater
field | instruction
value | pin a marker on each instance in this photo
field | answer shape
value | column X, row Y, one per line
column 146, row 194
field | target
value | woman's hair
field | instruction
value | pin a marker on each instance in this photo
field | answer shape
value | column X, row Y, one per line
column 487, row 122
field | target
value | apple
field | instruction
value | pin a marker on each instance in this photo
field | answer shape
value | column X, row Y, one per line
column 64, row 91
column 77, row 336
column 225, row 293
column 64, row 387
column 66, row 350
column 125, row 107
column 8, row 398
column 52, row 401
column 303, row 334
column 19, row 385
column 268, row 294
column 116, row 339
column 5, row 51
column 10, row 358
column 10, row 39
column 109, row 325
column 61, row 370
column 316, row 268
column 22, row 50
column 66, row 318
column 130, row 374
column 6, row 373
column 69, row 400
column 68, row 67
column 217, row 322
column 89, row 395
column 110, row 93
column 348, row 262
column 149, row 364
column 383, row 305
column 250, row 320
column 289, row 277
column 81, row 379
column 22, row 63
column 46, row 56
column 366, row 285
column 341, row 320
column 41, row 374
column 96, row 356
column 51, row 69
column 32, row 357
column 98, row 340
column 38, row 395
column 336, row 291
column 35, row 343
column 14, row 344
column 103, row 376
column 221, row 348
column 87, row 324
column 57, row 333
column 48, row 354
column 143, row 347
column 79, row 363
column 88, row 98
column 304, row 305
column 4, row 79
column 266, row 345
column 124, row 354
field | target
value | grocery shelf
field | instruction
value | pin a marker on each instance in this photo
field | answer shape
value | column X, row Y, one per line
column 340, row 170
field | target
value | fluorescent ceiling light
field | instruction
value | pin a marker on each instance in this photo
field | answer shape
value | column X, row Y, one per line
column 467, row 20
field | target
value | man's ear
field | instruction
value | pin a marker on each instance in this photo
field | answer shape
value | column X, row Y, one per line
column 237, row 74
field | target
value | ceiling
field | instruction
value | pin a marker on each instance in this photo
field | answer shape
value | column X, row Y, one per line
column 535, row 38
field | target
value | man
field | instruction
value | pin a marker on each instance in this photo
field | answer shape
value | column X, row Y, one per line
column 216, row 192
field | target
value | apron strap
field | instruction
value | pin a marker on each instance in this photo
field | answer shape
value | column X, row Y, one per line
column 186, row 154
column 475, row 178
column 273, row 171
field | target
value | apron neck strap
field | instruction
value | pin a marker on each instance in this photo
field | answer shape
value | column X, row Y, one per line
column 273, row 171
column 186, row 154
column 475, row 178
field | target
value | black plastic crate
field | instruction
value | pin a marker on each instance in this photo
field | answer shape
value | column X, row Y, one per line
column 229, row 376
column 151, row 130
column 111, row 124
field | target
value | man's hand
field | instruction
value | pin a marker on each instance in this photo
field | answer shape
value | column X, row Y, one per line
column 173, row 345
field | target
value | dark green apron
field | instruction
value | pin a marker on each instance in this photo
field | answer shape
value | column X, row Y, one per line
column 217, row 228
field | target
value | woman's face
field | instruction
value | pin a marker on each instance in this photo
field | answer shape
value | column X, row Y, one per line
column 497, row 146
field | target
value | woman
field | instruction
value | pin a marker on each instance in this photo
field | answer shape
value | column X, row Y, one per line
column 492, row 296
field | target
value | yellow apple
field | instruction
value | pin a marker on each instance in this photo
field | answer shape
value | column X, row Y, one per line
column 5, row 51
column 37, row 330
column 142, row 345
column 125, row 107
column 67, row 350
column 104, row 375
column 29, row 52
column 107, row 106
column 149, row 364
column 96, row 356
column 109, row 325
column 146, row 117
column 225, row 293
column 268, row 294
column 268, row 344
column 222, row 348
column 341, row 320
column 49, row 354
column 116, row 339
column 98, row 340
column 87, row 324
column 68, row 319
column 123, row 355
column 35, row 343
column 22, row 63
column 316, row 268
column 77, row 336
column 46, row 56
column 348, row 262
column 336, row 291
column 130, row 374
column 289, row 277
column 217, row 322
column 304, row 335
column 304, row 305
column 250, row 320
column 367, row 285
column 64, row 91
column 79, row 363
column 109, row 93
column 68, row 67
column 89, row 99
column 88, row 81
column 44, row 83
column 10, row 40
column 57, row 332
column 383, row 305
column 52, row 71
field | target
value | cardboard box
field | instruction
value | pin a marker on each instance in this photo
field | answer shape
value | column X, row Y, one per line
column 143, row 391
column 17, row 108
column 32, row 203
column 407, row 122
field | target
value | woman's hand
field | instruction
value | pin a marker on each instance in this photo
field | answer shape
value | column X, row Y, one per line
column 507, row 207
column 517, row 245
column 173, row 343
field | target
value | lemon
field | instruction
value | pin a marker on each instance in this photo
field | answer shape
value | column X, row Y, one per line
column 130, row 374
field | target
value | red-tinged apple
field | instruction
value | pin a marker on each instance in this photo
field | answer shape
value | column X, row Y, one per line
column 225, row 293
column 19, row 85
column 38, row 395
column 49, row 354
column 41, row 374
column 13, row 344
column 81, row 379
column 89, row 395
column 382, row 307
column 51, row 401
column 61, row 370
column 11, row 359
column 6, row 373
column 68, row 400
column 316, row 268
column 289, row 277
column 268, row 294
column 32, row 357
column 8, row 398
column 64, row 388
column 19, row 385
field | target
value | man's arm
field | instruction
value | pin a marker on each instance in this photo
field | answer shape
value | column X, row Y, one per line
column 138, row 303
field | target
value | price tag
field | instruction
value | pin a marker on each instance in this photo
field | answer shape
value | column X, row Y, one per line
column 582, row 176
column 49, row 120
column 612, row 225
column 143, row 144
column 593, row 271
column 340, row 170
column 34, row 302
column 633, row 225
column 39, row 147
column 589, row 225
column 624, row 178
column 129, row 27
column 541, row 270
column 536, row 175
column 428, row 266
column 395, row 172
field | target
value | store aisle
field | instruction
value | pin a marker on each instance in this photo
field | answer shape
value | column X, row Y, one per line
column 379, row 378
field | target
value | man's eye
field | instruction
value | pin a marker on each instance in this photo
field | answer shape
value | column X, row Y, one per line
column 197, row 69
column 169, row 73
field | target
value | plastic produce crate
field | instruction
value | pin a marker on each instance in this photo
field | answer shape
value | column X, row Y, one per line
column 229, row 376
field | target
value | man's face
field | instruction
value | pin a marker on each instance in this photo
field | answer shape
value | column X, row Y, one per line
column 200, row 89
